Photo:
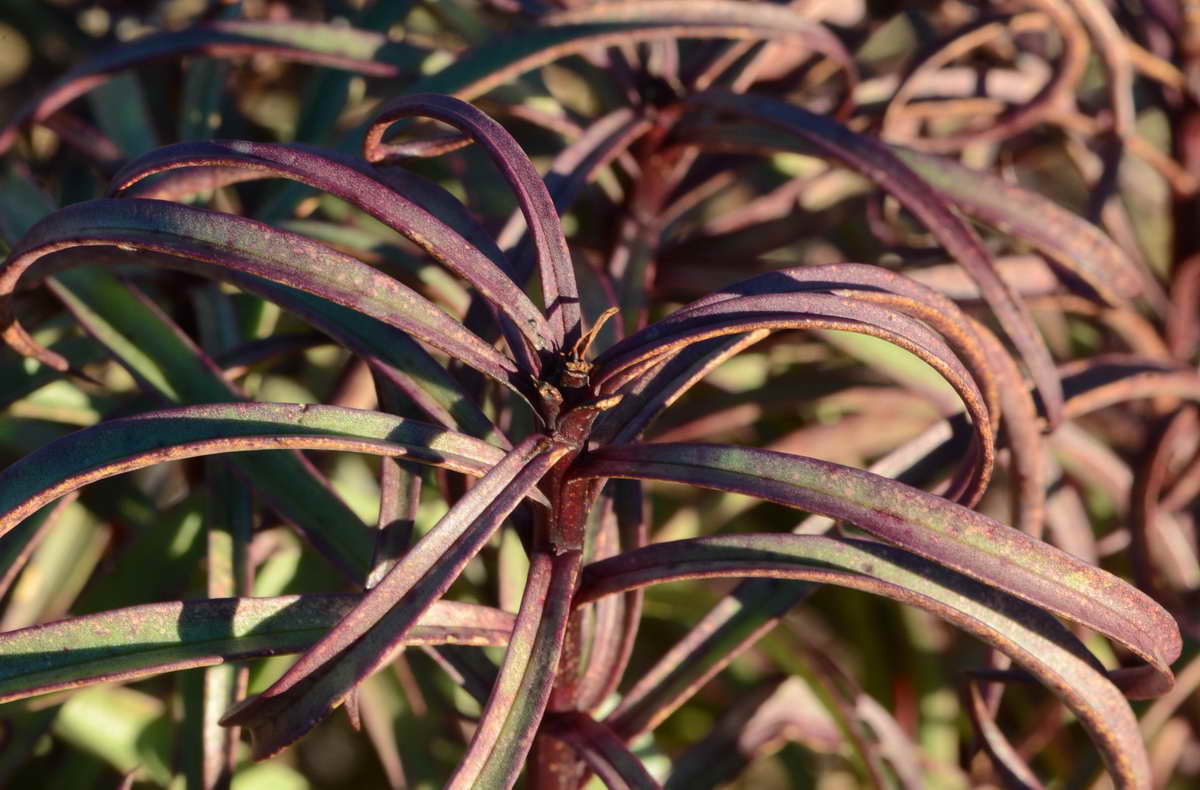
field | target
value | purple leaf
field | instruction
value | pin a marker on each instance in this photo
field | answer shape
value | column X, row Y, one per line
column 224, row 246
column 950, row 534
column 554, row 260
column 1030, row 636
column 307, row 42
column 149, row 639
column 123, row 445
column 392, row 197
column 878, row 163
column 366, row 638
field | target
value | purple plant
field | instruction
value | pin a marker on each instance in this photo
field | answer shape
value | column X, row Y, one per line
column 545, row 413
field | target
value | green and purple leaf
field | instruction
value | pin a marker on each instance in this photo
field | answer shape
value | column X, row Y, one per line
column 519, row 697
column 1032, row 637
column 732, row 314
column 574, row 31
column 122, row 445
column 366, row 638
column 876, row 161
column 1073, row 243
column 559, row 292
column 150, row 639
column 949, row 534
column 225, row 246
column 393, row 197
column 602, row 750
column 333, row 46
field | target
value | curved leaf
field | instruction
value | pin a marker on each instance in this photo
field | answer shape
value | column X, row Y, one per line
column 750, row 611
column 336, row 46
column 1033, row 638
column 1107, row 380
column 156, row 351
column 1069, row 240
column 574, row 166
column 383, row 195
column 876, row 161
column 399, row 359
column 365, row 639
column 162, row 358
column 560, row 294
column 139, row 641
column 872, row 285
column 519, row 697
column 648, row 395
column 223, row 246
column 602, row 750
column 962, row 539
column 728, row 313
column 571, row 32
column 123, row 445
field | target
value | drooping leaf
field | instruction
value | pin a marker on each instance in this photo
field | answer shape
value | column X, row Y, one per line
column 738, row 315
column 570, row 32
column 950, row 534
column 129, row 443
column 392, row 197
column 858, row 290
column 1033, row 638
column 571, row 170
column 165, row 361
column 753, row 608
column 1070, row 241
column 224, row 246
column 365, row 639
column 138, row 641
column 877, row 162
column 559, row 292
column 307, row 42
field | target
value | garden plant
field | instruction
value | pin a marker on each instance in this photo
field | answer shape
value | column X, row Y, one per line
column 543, row 383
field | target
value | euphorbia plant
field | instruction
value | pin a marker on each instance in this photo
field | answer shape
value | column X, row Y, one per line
column 522, row 396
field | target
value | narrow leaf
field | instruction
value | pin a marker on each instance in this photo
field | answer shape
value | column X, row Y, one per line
column 307, row 42
column 223, row 245
column 514, row 711
column 1070, row 241
column 804, row 310
column 603, row 751
column 877, row 162
column 150, row 639
column 165, row 361
column 962, row 539
column 559, row 291
column 571, row 32
column 1031, row 637
column 367, row 637
column 383, row 195
column 123, row 445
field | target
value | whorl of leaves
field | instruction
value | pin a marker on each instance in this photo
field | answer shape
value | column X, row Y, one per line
column 525, row 348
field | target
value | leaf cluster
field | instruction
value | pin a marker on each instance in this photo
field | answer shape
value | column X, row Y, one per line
column 440, row 337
